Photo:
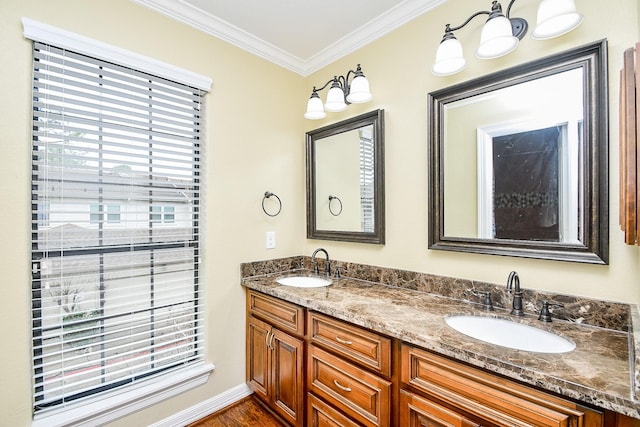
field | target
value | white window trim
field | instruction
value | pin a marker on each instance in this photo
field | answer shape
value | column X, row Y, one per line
column 45, row 33
column 108, row 407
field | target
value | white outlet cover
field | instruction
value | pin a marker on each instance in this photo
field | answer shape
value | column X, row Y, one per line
column 271, row 240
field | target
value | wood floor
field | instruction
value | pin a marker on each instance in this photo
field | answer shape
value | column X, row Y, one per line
column 246, row 412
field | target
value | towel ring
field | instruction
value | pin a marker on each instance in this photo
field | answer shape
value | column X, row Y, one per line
column 267, row 195
column 331, row 198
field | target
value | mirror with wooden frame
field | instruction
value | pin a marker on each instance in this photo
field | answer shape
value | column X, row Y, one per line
column 518, row 160
column 345, row 180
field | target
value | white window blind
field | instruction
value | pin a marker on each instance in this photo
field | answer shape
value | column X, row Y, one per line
column 115, row 294
column 367, row 179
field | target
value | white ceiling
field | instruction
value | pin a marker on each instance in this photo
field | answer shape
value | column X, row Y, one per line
column 300, row 35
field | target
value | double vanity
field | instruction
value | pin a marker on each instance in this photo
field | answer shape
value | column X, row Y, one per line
column 385, row 347
column 343, row 344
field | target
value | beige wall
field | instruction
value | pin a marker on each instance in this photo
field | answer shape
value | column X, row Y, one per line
column 255, row 142
column 398, row 67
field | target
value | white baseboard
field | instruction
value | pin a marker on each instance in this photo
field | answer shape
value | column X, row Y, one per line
column 205, row 408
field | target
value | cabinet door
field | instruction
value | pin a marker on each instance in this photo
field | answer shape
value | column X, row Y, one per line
column 258, row 378
column 287, row 358
column 418, row 412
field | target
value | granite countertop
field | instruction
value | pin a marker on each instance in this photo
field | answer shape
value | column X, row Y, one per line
column 597, row 372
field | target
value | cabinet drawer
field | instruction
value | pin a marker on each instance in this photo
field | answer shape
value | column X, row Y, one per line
column 359, row 394
column 284, row 315
column 322, row 414
column 419, row 412
column 487, row 396
column 356, row 344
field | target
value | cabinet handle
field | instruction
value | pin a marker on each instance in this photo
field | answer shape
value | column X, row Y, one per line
column 341, row 387
column 340, row 340
column 270, row 345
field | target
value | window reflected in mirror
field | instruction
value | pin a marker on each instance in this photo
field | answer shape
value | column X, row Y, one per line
column 345, row 180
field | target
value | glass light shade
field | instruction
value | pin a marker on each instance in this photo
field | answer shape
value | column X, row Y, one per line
column 359, row 91
column 335, row 100
column 555, row 18
column 496, row 39
column 449, row 58
column 315, row 110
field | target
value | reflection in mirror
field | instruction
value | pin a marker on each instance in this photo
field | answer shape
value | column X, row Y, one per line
column 525, row 165
column 345, row 198
column 350, row 178
column 518, row 161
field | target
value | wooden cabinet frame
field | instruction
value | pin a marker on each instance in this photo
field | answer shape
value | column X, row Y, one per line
column 629, row 137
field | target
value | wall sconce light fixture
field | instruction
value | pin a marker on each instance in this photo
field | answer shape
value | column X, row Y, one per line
column 501, row 33
column 340, row 94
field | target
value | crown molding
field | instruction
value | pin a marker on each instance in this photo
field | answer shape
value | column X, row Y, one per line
column 394, row 18
column 197, row 18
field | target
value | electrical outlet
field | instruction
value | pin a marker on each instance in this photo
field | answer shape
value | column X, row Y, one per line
column 271, row 240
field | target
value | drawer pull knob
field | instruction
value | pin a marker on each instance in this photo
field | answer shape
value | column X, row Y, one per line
column 341, row 387
column 341, row 341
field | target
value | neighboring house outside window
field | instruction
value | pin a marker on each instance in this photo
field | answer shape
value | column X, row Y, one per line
column 44, row 211
column 115, row 298
column 163, row 214
column 113, row 213
column 96, row 215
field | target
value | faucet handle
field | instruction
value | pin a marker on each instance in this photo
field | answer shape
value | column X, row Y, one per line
column 337, row 272
column 545, row 313
column 487, row 303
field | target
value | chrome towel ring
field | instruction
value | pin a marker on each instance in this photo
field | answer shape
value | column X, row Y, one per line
column 331, row 198
column 267, row 195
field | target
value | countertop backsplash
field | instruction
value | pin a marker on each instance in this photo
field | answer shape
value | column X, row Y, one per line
column 604, row 314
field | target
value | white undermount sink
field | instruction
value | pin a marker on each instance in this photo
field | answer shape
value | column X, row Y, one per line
column 304, row 281
column 510, row 334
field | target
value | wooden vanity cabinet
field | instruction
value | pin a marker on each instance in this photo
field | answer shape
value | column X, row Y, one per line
column 275, row 355
column 469, row 396
column 317, row 371
column 348, row 374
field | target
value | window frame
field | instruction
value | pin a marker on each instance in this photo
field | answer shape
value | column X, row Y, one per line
column 120, row 402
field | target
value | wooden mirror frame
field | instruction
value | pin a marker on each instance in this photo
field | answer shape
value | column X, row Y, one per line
column 377, row 236
column 594, row 247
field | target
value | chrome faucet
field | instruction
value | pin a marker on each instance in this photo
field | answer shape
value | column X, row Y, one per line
column 514, row 282
column 327, row 267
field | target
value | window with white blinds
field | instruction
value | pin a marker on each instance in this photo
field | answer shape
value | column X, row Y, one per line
column 367, row 179
column 115, row 226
